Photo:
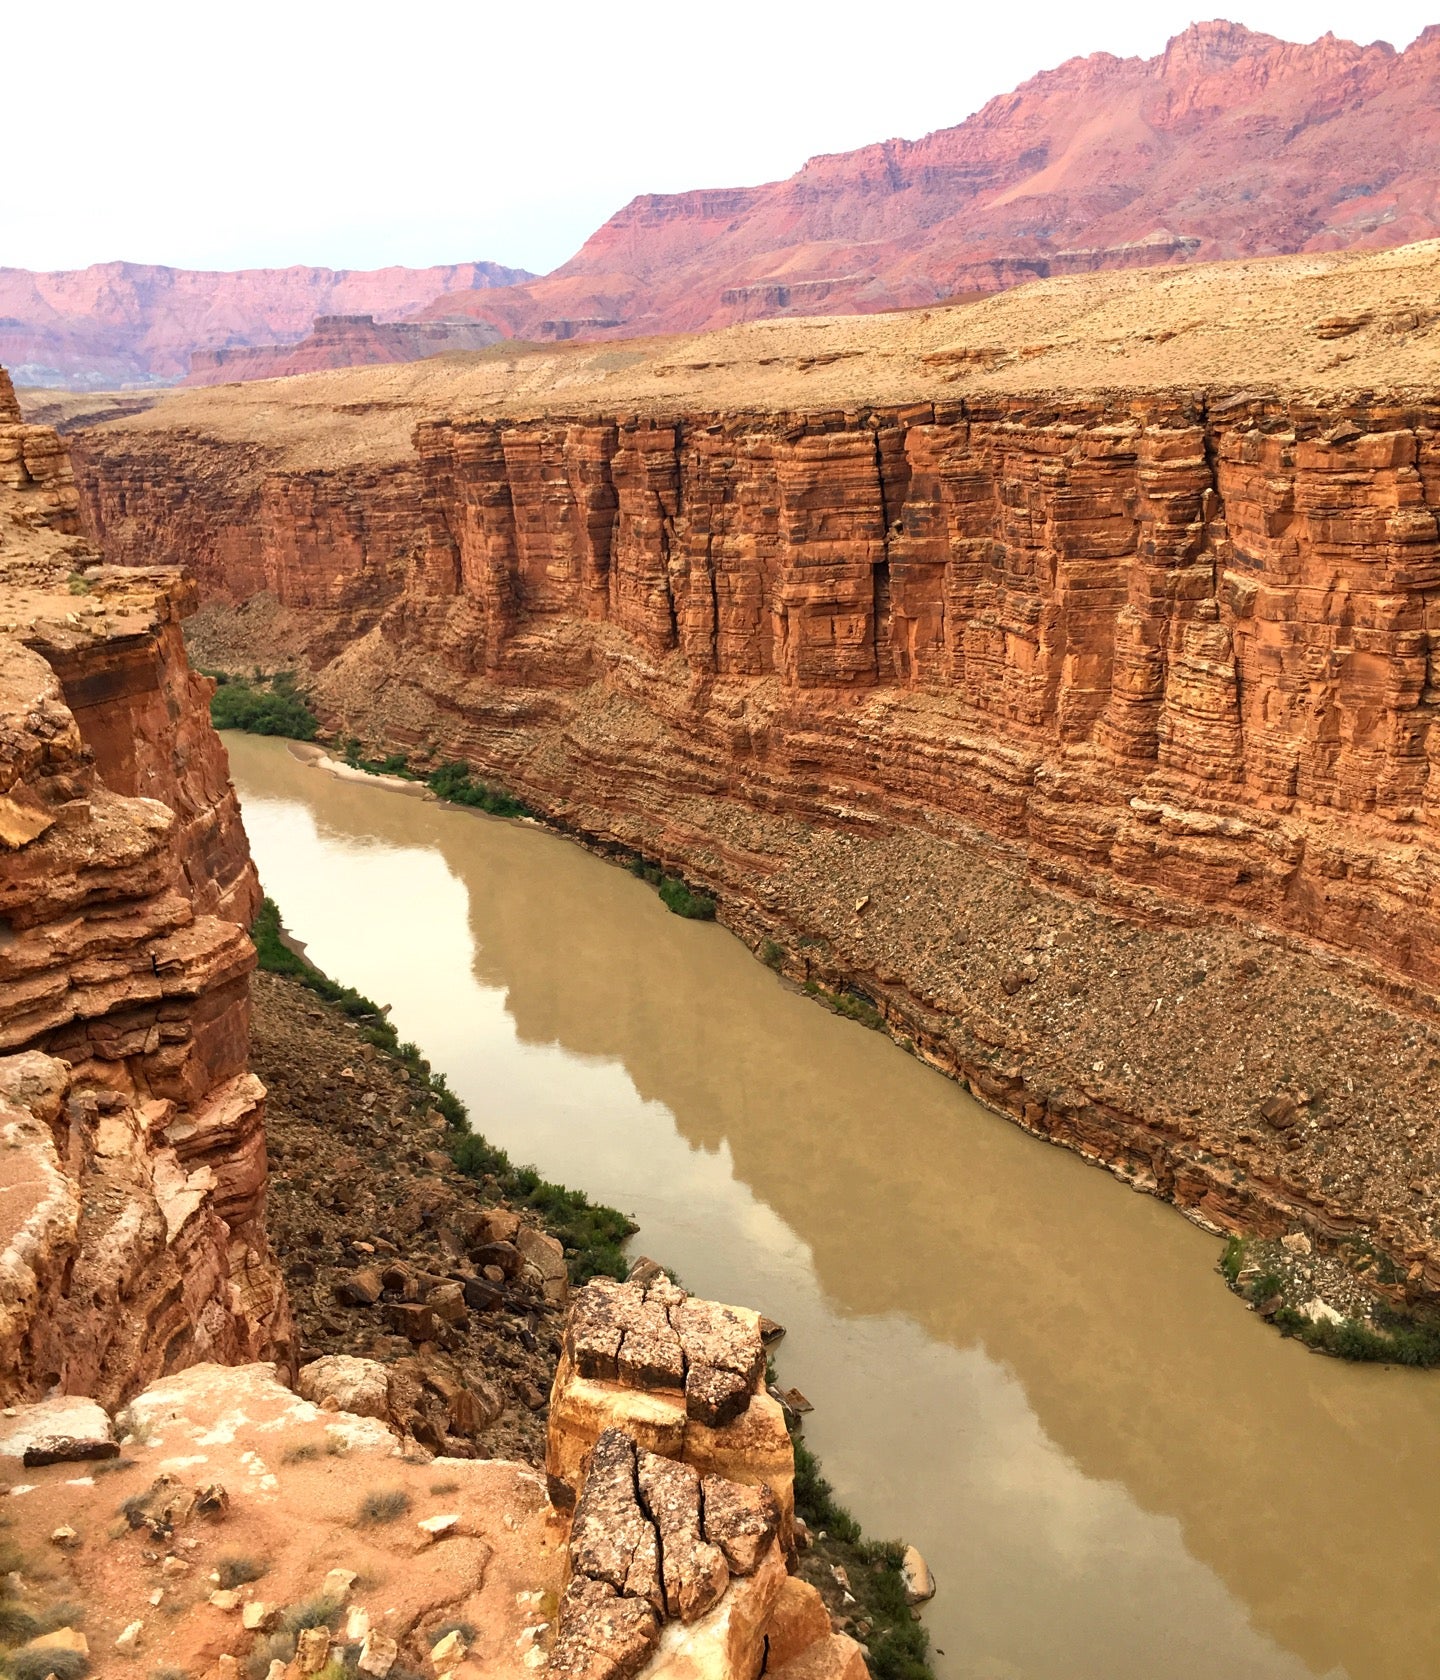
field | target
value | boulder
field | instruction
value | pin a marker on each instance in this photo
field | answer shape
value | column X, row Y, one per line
column 360, row 1386
column 915, row 1574
column 58, row 1431
column 546, row 1255
column 361, row 1289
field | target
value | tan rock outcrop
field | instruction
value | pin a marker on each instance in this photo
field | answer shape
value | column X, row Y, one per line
column 677, row 1565
column 649, row 1360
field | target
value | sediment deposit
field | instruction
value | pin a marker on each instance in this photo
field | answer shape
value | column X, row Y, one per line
column 945, row 694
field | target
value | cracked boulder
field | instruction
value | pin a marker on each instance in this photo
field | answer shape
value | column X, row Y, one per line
column 684, row 1378
column 650, row 1578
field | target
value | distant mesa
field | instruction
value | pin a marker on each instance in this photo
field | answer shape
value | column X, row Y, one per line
column 124, row 325
column 337, row 341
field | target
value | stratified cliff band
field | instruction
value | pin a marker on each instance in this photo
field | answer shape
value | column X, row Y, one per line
column 1169, row 651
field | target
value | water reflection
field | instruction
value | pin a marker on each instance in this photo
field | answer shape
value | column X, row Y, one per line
column 1021, row 1365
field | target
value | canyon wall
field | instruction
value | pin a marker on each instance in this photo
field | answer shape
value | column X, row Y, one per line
column 945, row 704
column 1181, row 654
column 133, row 1238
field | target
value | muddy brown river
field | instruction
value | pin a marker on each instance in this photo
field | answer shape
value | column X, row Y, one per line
column 1032, row 1372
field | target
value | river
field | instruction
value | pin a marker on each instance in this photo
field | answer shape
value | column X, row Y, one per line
column 1029, row 1370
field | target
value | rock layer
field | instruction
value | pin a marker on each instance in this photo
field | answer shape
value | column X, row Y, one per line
column 337, row 341
column 134, row 1235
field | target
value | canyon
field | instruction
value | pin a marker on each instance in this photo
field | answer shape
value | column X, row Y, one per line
column 142, row 1307
column 1065, row 708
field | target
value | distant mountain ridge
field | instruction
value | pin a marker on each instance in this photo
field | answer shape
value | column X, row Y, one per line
column 120, row 324
column 1230, row 143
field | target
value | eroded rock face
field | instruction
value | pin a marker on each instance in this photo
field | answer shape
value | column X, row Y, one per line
column 1167, row 655
column 648, row 1360
column 648, row 1548
column 133, row 1239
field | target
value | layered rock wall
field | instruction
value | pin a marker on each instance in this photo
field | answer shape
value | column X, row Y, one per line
column 1181, row 653
column 133, row 1239
column 941, row 702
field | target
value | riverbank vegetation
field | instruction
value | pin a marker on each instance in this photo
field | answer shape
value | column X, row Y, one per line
column 1330, row 1302
column 869, row 1570
column 262, row 706
column 590, row 1232
column 677, row 897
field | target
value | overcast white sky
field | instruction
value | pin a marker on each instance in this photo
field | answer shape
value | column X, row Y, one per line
column 225, row 135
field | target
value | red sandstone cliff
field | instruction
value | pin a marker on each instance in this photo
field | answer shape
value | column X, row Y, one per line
column 993, row 666
column 117, row 324
column 133, row 1232
column 1229, row 143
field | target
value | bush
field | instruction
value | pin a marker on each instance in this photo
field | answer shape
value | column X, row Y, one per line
column 680, row 901
column 1233, row 1260
column 771, row 954
column 16, row 1623
column 381, row 1507
column 235, row 1570
column 1399, row 1339
column 279, row 710
column 42, row 1664
column 454, row 783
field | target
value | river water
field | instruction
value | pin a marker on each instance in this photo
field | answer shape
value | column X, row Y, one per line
column 1029, row 1370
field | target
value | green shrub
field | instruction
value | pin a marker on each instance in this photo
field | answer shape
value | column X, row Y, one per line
column 681, row 901
column 1399, row 1339
column 278, row 710
column 454, row 783
column 1233, row 1259
column 771, row 954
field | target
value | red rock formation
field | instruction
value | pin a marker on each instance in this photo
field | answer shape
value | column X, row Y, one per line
column 1229, row 143
column 338, row 341
column 1182, row 653
column 1170, row 654
column 134, row 323
column 134, row 1236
